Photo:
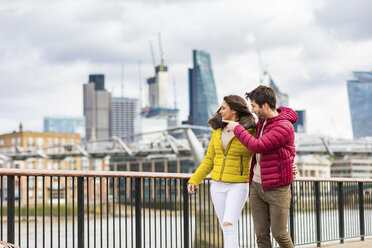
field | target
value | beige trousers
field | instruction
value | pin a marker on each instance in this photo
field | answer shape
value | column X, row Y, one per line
column 270, row 209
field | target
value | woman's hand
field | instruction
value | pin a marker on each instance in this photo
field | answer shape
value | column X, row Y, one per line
column 191, row 188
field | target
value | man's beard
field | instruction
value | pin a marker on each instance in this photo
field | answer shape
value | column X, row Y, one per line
column 261, row 115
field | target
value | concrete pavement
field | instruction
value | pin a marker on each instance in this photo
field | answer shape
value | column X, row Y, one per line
column 350, row 243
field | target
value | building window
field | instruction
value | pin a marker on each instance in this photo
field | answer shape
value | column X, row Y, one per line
column 19, row 141
column 72, row 164
column 40, row 165
column 13, row 141
column 40, row 142
column 1, row 142
column 30, row 142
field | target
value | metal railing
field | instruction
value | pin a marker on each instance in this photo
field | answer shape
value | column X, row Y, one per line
column 143, row 209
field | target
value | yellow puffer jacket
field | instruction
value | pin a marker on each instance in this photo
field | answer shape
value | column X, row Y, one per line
column 231, row 165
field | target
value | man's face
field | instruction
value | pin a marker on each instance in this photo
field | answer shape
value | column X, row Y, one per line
column 258, row 111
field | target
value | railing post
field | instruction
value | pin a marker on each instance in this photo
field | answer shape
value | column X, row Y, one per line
column 291, row 217
column 361, row 210
column 80, row 211
column 138, row 206
column 185, row 214
column 341, row 220
column 10, row 205
column 317, row 210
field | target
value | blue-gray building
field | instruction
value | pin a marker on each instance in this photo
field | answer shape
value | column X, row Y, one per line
column 300, row 125
column 360, row 102
column 98, row 80
column 203, row 101
column 65, row 125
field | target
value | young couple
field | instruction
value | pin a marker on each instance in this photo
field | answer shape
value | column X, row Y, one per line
column 240, row 152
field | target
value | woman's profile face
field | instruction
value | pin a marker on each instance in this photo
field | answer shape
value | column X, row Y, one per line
column 227, row 113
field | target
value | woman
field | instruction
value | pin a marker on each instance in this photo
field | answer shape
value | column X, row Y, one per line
column 228, row 161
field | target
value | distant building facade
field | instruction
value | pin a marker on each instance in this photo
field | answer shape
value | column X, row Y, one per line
column 124, row 111
column 300, row 125
column 313, row 166
column 352, row 168
column 46, row 142
column 97, row 108
column 203, row 102
column 360, row 102
column 65, row 125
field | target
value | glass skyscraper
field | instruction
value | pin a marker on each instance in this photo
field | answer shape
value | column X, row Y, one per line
column 300, row 125
column 65, row 125
column 202, row 90
column 360, row 102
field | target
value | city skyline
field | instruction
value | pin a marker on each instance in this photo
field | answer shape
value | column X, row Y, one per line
column 307, row 48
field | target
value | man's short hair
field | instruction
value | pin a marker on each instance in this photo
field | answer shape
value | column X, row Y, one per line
column 261, row 95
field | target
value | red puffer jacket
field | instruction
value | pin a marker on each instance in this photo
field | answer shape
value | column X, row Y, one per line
column 276, row 146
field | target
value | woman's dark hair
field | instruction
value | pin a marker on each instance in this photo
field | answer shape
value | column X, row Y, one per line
column 237, row 104
column 261, row 95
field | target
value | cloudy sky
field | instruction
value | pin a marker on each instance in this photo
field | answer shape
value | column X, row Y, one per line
column 48, row 49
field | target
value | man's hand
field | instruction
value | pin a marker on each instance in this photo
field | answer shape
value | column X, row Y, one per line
column 295, row 171
column 230, row 125
column 191, row 188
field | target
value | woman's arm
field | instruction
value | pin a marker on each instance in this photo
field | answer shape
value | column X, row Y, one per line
column 206, row 166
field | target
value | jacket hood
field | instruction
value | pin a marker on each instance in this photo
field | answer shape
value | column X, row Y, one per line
column 285, row 114
column 246, row 121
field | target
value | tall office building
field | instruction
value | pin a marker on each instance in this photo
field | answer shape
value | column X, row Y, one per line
column 281, row 98
column 360, row 102
column 158, row 94
column 97, row 108
column 203, row 101
column 124, row 111
column 158, row 112
column 300, row 125
column 65, row 125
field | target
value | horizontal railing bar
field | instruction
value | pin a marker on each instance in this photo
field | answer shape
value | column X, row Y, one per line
column 333, row 179
column 137, row 174
column 78, row 173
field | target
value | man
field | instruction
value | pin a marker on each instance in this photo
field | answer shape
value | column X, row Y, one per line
column 272, row 169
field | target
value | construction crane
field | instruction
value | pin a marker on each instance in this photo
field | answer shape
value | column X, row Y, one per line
column 161, row 50
column 175, row 92
column 152, row 54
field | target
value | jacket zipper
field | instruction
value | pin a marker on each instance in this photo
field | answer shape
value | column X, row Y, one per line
column 280, row 173
column 224, row 157
column 241, row 165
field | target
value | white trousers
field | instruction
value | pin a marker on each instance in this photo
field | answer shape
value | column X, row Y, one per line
column 228, row 201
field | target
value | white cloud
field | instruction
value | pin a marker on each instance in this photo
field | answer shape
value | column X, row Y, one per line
column 48, row 49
